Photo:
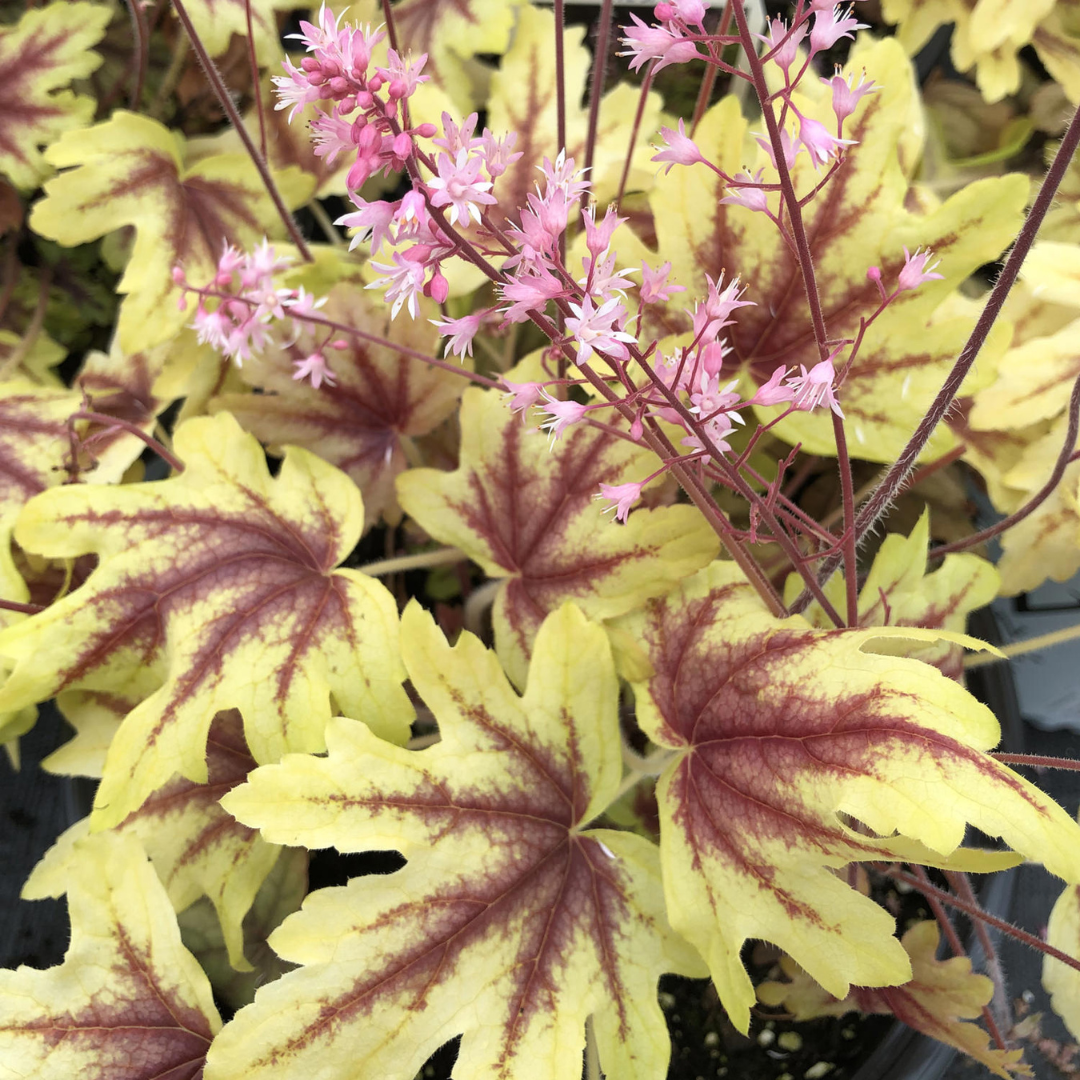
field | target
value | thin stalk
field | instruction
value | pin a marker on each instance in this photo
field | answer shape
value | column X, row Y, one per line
column 708, row 80
column 976, row 912
column 1021, row 648
column 169, row 79
column 1038, row 761
column 132, row 429
column 22, row 609
column 596, row 90
column 141, row 50
column 560, row 75
column 635, row 129
column 256, row 88
column 895, row 476
column 421, row 561
column 322, row 219
column 18, row 354
column 1063, row 459
column 221, row 91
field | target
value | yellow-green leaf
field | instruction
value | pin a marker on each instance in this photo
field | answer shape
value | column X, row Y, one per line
column 226, row 577
column 511, row 922
column 1059, row 980
column 779, row 729
column 130, row 171
column 129, row 1000
column 527, row 512
column 48, row 48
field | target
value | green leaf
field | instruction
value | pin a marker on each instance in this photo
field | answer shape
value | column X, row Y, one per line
column 224, row 576
column 778, row 730
column 510, row 924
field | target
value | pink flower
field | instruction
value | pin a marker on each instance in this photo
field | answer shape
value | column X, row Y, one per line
column 404, row 283
column 455, row 138
column 522, row 395
column 371, row 220
column 598, row 237
column 788, row 49
column 816, row 138
column 529, row 291
column 621, row 497
column 814, row 387
column 498, row 154
column 845, row 95
column 830, row 25
column 458, row 185
column 561, row 414
column 752, row 198
column 644, row 43
column 773, row 392
column 681, row 149
column 788, row 145
column 654, row 284
column 594, row 329
column 314, row 367
column 915, row 272
column 460, row 332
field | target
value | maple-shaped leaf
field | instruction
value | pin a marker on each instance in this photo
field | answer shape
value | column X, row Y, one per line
column 48, row 48
column 859, row 220
column 226, row 577
column 939, row 998
column 129, row 1000
column 779, row 729
column 130, row 171
column 1059, row 980
column 511, row 922
column 197, row 848
column 528, row 512
column 899, row 592
column 382, row 400
column 523, row 99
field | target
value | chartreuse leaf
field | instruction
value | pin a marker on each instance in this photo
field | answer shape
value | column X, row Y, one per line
column 528, row 513
column 381, row 401
column 859, row 221
column 129, row 1000
column 779, row 729
column 523, row 99
column 511, row 923
column 226, row 577
column 130, row 171
column 48, row 48
column 899, row 592
column 939, row 998
column 1059, row 980
column 216, row 21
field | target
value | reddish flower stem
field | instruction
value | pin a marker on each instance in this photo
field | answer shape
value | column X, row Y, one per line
column 22, row 609
column 560, row 74
column 596, row 90
column 894, row 478
column 1062, row 463
column 140, row 50
column 132, row 429
column 643, row 97
column 813, row 298
column 1037, row 761
column 976, row 912
column 256, row 89
column 221, row 91
column 958, row 949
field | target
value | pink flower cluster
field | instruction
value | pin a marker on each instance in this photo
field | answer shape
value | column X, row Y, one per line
column 237, row 309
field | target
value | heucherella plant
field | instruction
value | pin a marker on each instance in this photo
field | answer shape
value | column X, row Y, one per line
column 582, row 613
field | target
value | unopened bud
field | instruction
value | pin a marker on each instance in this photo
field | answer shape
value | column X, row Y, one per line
column 438, row 288
column 425, row 131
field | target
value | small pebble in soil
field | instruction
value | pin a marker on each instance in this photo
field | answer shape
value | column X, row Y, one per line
column 815, row 1072
column 789, row 1040
column 712, row 1039
column 766, row 1037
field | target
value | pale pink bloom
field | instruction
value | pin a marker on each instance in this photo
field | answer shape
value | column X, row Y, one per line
column 814, row 387
column 598, row 237
column 212, row 327
column 455, row 138
column 712, row 356
column 594, row 329
column 751, row 197
column 692, row 12
column 522, row 396
column 331, row 135
column 458, row 185
column 773, row 392
column 716, row 431
column 681, row 149
column 404, row 282
column 314, row 367
column 303, row 304
column 709, row 400
column 257, row 268
column 371, row 220
column 605, row 278
column 788, row 49
column 714, row 314
column 498, row 154
column 460, row 332
column 830, row 25
column 845, row 95
column 560, row 415
column 915, row 272
column 293, row 90
column 816, row 138
column 790, row 147
column 530, row 290
column 644, row 43
column 403, row 74
column 654, row 284
column 621, row 497
column 563, row 177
